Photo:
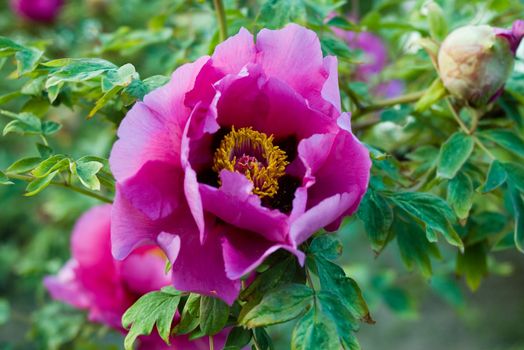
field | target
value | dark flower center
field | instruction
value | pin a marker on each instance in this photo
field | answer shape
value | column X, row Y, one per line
column 254, row 155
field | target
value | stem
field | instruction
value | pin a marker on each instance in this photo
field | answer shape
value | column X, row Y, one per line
column 63, row 185
column 221, row 18
column 211, row 343
column 408, row 98
column 468, row 131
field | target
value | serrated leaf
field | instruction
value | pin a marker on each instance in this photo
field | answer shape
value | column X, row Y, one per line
column 326, row 246
column 24, row 165
column 38, row 185
column 315, row 331
column 435, row 92
column 345, row 323
column 453, row 154
column 506, row 139
column 432, row 211
column 460, row 195
column 332, row 278
column 279, row 305
column 213, row 315
column 377, row 215
column 152, row 309
column 496, row 177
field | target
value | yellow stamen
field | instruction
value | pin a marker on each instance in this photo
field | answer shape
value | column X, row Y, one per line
column 253, row 154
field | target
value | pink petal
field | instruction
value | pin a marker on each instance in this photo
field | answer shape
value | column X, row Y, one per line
column 200, row 267
column 129, row 227
column 293, row 55
column 244, row 251
column 144, row 271
column 234, row 53
column 66, row 287
column 234, row 203
column 156, row 190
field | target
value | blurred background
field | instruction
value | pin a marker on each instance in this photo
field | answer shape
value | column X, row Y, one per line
column 412, row 312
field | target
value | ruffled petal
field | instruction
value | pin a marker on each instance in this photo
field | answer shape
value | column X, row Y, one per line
column 66, row 287
column 235, row 204
column 235, row 53
column 130, row 228
column 200, row 267
column 244, row 251
column 293, row 55
column 156, row 190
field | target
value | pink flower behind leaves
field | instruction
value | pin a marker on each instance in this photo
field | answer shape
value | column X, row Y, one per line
column 239, row 155
column 37, row 10
column 92, row 280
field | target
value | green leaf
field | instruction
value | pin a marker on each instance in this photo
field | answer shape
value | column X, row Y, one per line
column 152, row 309
column 518, row 212
column 505, row 139
column 104, row 100
column 262, row 339
column 315, row 331
column 460, row 195
column 24, row 123
column 345, row 323
column 435, row 92
column 277, row 13
column 438, row 28
column 44, row 151
column 38, row 185
column 4, row 180
column 5, row 311
column 473, row 264
column 27, row 59
column 74, row 70
column 333, row 278
column 24, row 165
column 414, row 247
column 189, row 320
column 326, row 246
column 342, row 23
column 279, row 305
column 56, row 162
column 213, row 315
column 49, row 127
column 281, row 273
column 377, row 215
column 496, row 177
column 515, row 175
column 86, row 171
column 238, row 338
column 331, row 45
column 432, row 211
column 453, row 154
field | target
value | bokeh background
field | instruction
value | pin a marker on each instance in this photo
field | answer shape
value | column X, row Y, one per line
column 411, row 312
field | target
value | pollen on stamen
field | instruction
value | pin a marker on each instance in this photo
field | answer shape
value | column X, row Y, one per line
column 253, row 154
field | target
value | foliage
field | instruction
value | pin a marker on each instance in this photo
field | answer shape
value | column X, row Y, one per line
column 446, row 189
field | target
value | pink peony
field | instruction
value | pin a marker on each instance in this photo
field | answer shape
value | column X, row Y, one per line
column 239, row 155
column 37, row 10
column 94, row 281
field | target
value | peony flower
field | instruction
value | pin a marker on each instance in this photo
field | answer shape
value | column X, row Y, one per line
column 475, row 61
column 92, row 280
column 241, row 154
column 37, row 10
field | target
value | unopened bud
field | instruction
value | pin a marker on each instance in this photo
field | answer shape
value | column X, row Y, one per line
column 475, row 61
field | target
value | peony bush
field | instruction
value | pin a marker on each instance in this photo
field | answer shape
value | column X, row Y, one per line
column 216, row 175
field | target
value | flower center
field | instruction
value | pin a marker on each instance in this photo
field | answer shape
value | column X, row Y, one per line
column 253, row 154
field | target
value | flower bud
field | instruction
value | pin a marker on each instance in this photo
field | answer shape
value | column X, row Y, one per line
column 37, row 10
column 474, row 62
